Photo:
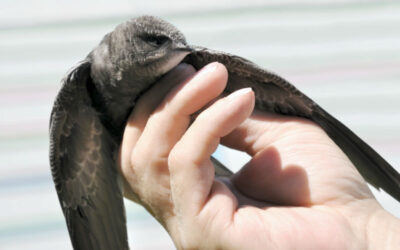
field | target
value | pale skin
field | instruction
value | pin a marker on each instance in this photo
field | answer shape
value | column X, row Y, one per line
column 299, row 191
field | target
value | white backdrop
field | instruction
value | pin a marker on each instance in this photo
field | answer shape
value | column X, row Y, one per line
column 343, row 54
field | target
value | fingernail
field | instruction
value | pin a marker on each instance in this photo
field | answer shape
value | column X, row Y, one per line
column 208, row 69
column 239, row 92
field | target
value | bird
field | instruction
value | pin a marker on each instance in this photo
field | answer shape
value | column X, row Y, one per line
column 97, row 95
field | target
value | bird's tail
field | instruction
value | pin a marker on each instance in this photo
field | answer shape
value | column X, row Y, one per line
column 375, row 170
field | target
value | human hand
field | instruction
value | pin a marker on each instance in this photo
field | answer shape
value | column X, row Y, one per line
column 298, row 191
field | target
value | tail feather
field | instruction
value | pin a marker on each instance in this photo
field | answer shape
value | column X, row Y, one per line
column 375, row 170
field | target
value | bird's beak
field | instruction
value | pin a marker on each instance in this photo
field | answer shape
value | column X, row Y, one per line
column 183, row 47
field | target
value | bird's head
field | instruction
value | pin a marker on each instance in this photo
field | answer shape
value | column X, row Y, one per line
column 139, row 51
column 153, row 40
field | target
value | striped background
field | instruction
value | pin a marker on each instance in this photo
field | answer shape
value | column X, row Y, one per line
column 343, row 54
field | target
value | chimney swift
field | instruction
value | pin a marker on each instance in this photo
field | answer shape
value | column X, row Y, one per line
column 97, row 95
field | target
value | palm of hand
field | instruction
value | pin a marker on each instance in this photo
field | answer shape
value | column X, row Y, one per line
column 296, row 188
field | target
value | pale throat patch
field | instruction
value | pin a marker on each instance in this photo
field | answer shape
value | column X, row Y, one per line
column 174, row 60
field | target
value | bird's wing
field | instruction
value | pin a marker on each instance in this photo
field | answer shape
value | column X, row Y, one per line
column 275, row 94
column 83, row 168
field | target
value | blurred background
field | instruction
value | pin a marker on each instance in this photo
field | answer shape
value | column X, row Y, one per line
column 343, row 54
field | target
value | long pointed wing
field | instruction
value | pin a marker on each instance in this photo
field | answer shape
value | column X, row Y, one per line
column 275, row 94
column 83, row 168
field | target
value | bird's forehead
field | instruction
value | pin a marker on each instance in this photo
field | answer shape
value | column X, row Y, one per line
column 155, row 25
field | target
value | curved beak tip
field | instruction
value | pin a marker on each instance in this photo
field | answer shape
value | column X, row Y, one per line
column 183, row 47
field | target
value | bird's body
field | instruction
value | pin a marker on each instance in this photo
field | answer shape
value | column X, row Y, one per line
column 91, row 110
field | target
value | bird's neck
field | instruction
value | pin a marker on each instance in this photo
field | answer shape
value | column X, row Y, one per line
column 113, row 112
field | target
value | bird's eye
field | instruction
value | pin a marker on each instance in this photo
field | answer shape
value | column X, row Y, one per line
column 156, row 41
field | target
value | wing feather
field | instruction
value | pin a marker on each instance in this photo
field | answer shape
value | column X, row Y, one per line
column 83, row 167
column 273, row 93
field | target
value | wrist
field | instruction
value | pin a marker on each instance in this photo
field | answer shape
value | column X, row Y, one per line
column 383, row 231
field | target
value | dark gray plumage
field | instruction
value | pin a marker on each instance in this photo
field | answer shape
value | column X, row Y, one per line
column 97, row 95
